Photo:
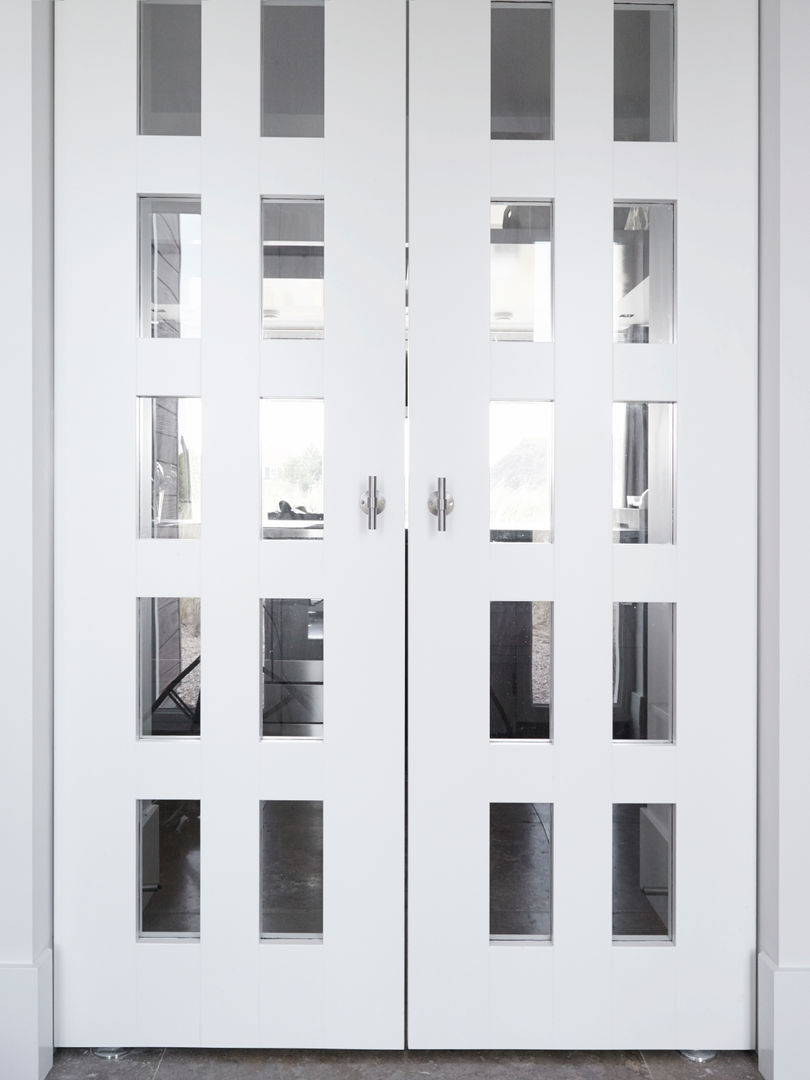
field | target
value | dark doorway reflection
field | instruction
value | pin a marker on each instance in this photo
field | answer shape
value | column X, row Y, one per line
column 643, row 671
column 169, row 856
column 520, row 870
column 292, row 868
column 169, row 666
column 642, row 870
column 292, row 667
column 520, row 669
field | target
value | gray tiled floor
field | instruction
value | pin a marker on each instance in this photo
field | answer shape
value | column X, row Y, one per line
column 408, row 1065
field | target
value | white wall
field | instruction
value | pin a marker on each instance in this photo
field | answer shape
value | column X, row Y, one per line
column 26, row 540
column 784, row 653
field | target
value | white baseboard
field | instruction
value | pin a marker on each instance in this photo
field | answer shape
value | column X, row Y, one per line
column 784, row 1021
column 26, row 1019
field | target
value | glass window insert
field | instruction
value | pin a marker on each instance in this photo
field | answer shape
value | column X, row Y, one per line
column 520, row 871
column 169, row 454
column 521, row 69
column 170, row 267
column 521, row 438
column 644, row 273
column 644, row 671
column 168, row 666
column 644, row 73
column 292, row 667
column 292, row 67
column 292, row 869
column 520, row 271
column 520, row 669
column 292, row 268
column 643, row 472
column 170, row 67
column 292, row 469
column 168, row 868
column 643, row 871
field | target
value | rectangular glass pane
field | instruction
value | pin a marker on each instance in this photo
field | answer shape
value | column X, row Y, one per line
column 643, row 472
column 520, row 870
column 644, row 671
column 520, row 271
column 170, row 69
column 169, row 455
column 292, row 268
column 292, row 469
column 520, row 669
column 292, row 67
column 521, row 438
column 170, row 267
column 168, row 665
column 643, row 73
column 521, row 46
column 292, row 667
column 644, row 273
column 292, row 868
column 169, row 867
column 643, row 871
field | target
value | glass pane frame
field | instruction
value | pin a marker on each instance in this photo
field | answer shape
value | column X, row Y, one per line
column 657, row 859
column 545, row 125
column 671, row 121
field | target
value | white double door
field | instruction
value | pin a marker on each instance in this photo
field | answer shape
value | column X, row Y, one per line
column 480, row 972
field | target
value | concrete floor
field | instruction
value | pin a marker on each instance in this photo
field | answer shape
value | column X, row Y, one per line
column 398, row 1065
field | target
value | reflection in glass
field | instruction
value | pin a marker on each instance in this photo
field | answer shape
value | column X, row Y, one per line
column 292, row 469
column 643, row 871
column 643, row 671
column 170, row 82
column 292, row 268
column 168, row 665
column 521, row 437
column 520, row 870
column 520, row 271
column 292, row 667
column 643, row 472
column 292, row 67
column 169, row 867
column 644, row 273
column 643, row 72
column 520, row 669
column 521, row 70
column 169, row 451
column 170, row 267
column 292, row 868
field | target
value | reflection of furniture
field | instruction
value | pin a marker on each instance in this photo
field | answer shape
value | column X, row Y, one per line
column 292, row 523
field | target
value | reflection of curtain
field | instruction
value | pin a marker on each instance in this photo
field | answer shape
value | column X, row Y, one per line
column 636, row 448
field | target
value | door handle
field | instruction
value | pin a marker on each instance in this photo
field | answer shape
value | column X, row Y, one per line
column 372, row 503
column 440, row 504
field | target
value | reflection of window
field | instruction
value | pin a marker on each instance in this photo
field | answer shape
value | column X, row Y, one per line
column 169, row 666
column 171, row 268
column 292, row 469
column 292, row 268
column 292, row 667
column 169, row 437
column 520, row 271
column 643, row 272
column 521, row 437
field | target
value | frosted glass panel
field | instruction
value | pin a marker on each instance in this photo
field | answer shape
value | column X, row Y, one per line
column 521, row 436
column 292, row 68
column 521, row 70
column 170, row 68
column 169, row 458
column 520, row 271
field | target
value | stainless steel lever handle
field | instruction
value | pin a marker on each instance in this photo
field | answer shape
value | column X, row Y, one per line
column 372, row 502
column 440, row 504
